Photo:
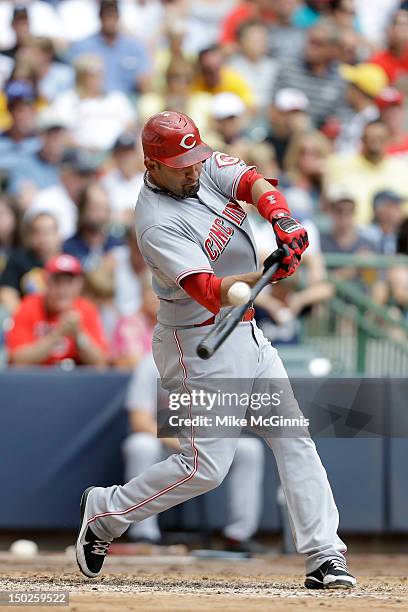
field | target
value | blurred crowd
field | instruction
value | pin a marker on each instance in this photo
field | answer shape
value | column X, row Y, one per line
column 312, row 92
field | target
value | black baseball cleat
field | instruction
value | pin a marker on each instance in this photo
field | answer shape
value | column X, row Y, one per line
column 90, row 550
column 332, row 574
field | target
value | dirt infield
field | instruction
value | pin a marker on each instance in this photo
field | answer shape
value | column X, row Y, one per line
column 184, row 583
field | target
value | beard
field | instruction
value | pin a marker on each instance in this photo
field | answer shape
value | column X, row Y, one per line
column 190, row 191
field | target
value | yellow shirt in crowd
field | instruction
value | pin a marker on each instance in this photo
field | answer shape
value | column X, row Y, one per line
column 230, row 81
column 364, row 180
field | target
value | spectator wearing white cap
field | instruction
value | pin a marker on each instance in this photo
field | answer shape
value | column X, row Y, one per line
column 253, row 63
column 229, row 120
column 364, row 83
column 287, row 115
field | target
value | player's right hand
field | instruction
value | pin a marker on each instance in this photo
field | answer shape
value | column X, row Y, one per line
column 287, row 267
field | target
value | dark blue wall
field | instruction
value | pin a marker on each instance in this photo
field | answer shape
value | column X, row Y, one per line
column 61, row 432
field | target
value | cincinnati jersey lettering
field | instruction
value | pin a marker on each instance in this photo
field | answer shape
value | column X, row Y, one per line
column 234, row 212
column 218, row 237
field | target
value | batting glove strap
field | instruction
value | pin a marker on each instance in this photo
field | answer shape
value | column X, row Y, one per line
column 289, row 231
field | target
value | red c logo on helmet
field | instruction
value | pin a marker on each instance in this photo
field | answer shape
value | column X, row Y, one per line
column 183, row 141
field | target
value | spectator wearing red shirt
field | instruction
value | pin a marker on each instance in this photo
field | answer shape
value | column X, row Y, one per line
column 245, row 11
column 391, row 105
column 58, row 325
column 394, row 59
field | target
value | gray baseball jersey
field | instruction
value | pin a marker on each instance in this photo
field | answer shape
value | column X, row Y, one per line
column 206, row 233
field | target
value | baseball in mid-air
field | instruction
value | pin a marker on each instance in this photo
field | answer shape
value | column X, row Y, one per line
column 239, row 293
column 24, row 548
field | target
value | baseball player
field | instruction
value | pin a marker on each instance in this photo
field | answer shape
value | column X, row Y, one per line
column 196, row 239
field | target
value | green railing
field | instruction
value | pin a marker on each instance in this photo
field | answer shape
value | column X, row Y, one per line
column 355, row 333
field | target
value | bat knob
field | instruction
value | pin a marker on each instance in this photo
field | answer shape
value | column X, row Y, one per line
column 204, row 351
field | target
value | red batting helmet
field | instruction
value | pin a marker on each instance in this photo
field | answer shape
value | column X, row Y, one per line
column 174, row 140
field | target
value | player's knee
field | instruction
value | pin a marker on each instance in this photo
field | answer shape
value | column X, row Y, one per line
column 140, row 443
column 211, row 476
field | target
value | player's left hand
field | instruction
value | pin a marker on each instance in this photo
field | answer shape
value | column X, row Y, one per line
column 289, row 231
column 287, row 267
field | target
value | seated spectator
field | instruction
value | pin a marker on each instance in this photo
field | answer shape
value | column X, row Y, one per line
column 20, row 139
column 343, row 13
column 23, row 273
column 125, row 179
column 286, row 41
column 132, row 338
column 229, row 120
column 77, row 170
column 203, row 22
column 175, row 94
column 8, row 230
column 350, row 50
column 253, row 64
column 125, row 60
column 244, row 11
column 345, row 235
column 92, row 240
column 394, row 58
column 143, row 448
column 21, row 29
column 95, row 119
column 316, row 74
column 368, row 171
column 99, row 289
column 58, row 325
column 52, row 77
column 305, row 164
column 393, row 290
column 129, row 268
column 391, row 104
column 364, row 83
column 42, row 168
column 287, row 115
column 387, row 220
column 34, row 17
column 215, row 76
column 279, row 308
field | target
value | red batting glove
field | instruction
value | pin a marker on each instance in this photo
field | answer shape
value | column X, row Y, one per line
column 287, row 266
column 289, row 231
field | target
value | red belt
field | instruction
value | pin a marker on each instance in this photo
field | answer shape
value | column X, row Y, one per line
column 247, row 316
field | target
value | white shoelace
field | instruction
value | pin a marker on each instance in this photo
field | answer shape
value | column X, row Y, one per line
column 338, row 564
column 100, row 547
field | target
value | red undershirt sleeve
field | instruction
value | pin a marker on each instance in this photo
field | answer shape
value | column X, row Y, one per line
column 204, row 288
column 244, row 190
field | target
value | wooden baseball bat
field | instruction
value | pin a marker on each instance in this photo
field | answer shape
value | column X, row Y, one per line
column 221, row 330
